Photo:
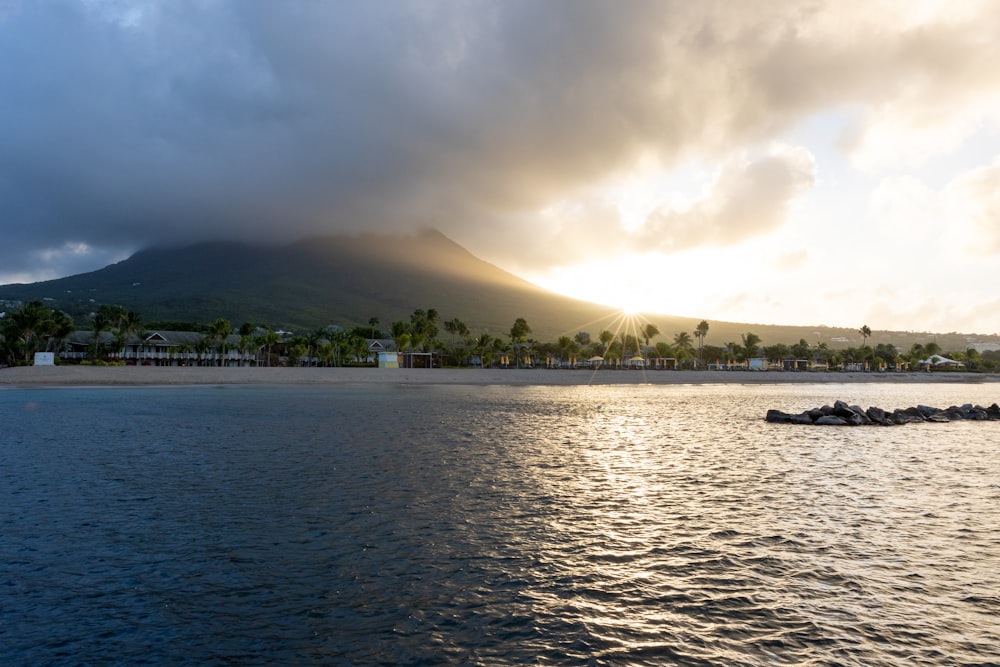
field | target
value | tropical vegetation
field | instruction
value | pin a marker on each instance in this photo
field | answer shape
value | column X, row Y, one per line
column 35, row 327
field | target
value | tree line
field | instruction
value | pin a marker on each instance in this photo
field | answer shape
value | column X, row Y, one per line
column 35, row 327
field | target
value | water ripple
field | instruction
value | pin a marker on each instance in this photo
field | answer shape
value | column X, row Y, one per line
column 501, row 525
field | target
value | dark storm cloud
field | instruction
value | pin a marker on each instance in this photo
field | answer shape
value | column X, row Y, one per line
column 124, row 123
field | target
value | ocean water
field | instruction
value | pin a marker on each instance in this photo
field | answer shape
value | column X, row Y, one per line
column 460, row 525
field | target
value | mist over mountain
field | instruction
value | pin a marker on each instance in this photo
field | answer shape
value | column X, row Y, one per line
column 347, row 279
column 342, row 280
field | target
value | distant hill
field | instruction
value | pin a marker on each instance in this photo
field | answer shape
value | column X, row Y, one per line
column 343, row 280
column 346, row 280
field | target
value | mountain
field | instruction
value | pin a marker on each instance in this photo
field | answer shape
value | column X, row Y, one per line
column 341, row 280
column 346, row 280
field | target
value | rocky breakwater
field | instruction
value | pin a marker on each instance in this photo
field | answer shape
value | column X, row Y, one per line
column 842, row 414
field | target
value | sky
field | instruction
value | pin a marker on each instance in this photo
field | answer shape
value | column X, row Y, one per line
column 813, row 163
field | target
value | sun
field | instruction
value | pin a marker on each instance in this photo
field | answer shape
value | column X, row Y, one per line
column 629, row 310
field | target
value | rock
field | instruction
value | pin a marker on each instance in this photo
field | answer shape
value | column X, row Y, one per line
column 856, row 409
column 955, row 413
column 877, row 415
column 841, row 409
column 908, row 416
column 778, row 417
column 831, row 420
column 842, row 414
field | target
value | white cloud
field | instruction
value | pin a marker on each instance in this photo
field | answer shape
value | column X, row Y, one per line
column 907, row 310
column 748, row 197
column 792, row 260
column 905, row 134
column 906, row 211
column 973, row 200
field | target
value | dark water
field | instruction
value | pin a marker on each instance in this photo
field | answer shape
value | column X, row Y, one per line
column 633, row 525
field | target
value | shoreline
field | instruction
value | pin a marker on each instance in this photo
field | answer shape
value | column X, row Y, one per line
column 79, row 376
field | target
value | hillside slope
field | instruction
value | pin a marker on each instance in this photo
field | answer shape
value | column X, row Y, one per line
column 341, row 280
column 346, row 280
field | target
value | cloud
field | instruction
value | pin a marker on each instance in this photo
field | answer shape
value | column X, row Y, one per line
column 748, row 197
column 974, row 200
column 905, row 211
column 133, row 123
column 906, row 311
column 792, row 260
column 963, row 215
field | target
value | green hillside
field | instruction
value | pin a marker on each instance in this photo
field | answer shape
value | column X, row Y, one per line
column 345, row 280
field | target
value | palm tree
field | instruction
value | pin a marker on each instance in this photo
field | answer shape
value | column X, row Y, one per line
column 750, row 343
column 518, row 335
column 700, row 332
column 29, row 325
column 482, row 347
column 732, row 350
column 129, row 322
column 267, row 340
column 398, row 330
column 865, row 334
column 326, row 353
column 682, row 340
column 823, row 353
column 664, row 350
column 456, row 327
column 357, row 346
column 109, row 318
column 373, row 322
column 219, row 332
column 649, row 331
column 313, row 339
column 629, row 342
column 614, row 352
column 182, row 351
column 801, row 349
column 606, row 337
column 246, row 338
column 423, row 328
column 339, row 339
column 496, row 348
column 99, row 324
column 519, row 331
column 203, row 345
column 419, row 341
column 62, row 326
column 296, row 350
column 564, row 345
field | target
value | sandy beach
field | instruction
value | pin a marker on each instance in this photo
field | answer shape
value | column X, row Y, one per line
column 61, row 376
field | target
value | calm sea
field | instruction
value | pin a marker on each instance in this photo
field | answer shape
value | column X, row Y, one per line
column 459, row 525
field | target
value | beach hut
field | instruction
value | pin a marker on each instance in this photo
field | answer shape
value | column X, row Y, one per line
column 938, row 361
